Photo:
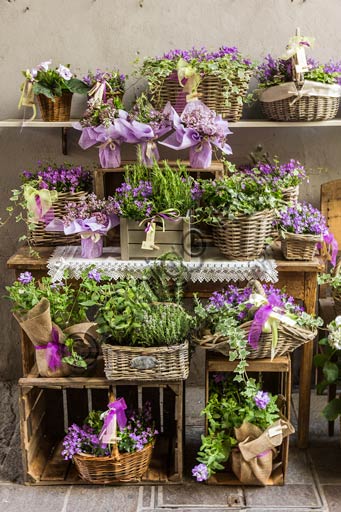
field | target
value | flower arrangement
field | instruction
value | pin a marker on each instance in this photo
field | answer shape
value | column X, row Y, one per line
column 104, row 85
column 229, row 406
column 134, row 433
column 226, row 63
column 279, row 176
column 305, row 220
column 92, row 218
column 160, row 123
column 197, row 128
column 63, row 178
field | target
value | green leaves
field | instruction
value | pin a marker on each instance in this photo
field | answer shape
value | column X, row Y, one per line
column 333, row 409
column 77, row 86
column 331, row 372
column 39, row 88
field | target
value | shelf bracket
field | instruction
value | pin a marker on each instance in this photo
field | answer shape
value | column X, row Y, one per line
column 64, row 140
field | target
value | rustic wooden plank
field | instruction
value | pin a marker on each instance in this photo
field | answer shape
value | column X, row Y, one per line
column 136, row 252
column 217, row 363
column 124, row 239
column 175, row 225
column 36, row 416
column 56, row 467
column 161, row 238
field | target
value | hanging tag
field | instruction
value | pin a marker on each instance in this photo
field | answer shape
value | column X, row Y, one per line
column 149, row 243
column 302, row 64
column 274, row 431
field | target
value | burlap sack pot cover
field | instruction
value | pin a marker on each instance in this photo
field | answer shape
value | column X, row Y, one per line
column 252, row 461
column 37, row 324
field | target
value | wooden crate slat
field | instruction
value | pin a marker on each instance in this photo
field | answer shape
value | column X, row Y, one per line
column 162, row 238
column 56, row 467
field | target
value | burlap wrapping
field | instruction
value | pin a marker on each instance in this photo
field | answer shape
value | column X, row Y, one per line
column 252, row 461
column 37, row 324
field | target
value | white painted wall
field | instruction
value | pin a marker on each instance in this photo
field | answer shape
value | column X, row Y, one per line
column 110, row 33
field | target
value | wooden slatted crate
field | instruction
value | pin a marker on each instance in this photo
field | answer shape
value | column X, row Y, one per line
column 276, row 377
column 49, row 405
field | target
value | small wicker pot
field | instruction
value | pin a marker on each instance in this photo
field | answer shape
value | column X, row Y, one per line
column 58, row 109
column 304, row 108
column 211, row 90
column 39, row 235
column 244, row 237
column 290, row 194
column 159, row 363
column 289, row 338
column 115, row 468
column 299, row 247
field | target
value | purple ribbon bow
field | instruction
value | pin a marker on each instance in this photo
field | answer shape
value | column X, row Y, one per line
column 55, row 350
column 329, row 239
column 115, row 408
column 260, row 318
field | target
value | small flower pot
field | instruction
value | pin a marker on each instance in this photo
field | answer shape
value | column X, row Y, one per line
column 91, row 248
column 58, row 109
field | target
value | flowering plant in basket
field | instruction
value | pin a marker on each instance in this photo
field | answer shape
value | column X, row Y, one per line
column 135, row 431
column 197, row 128
column 229, row 407
column 63, row 178
column 159, row 121
column 278, row 176
column 92, row 218
column 103, row 85
column 305, row 220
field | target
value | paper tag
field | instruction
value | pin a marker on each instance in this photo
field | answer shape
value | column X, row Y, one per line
column 274, row 431
column 302, row 64
column 149, row 243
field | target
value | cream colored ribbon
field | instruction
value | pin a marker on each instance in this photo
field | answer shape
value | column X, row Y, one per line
column 27, row 98
column 151, row 145
column 186, row 71
column 95, row 237
column 35, row 211
column 97, row 91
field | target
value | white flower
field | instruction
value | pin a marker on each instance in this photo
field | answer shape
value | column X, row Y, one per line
column 334, row 339
column 64, row 72
column 338, row 321
column 33, row 72
column 44, row 66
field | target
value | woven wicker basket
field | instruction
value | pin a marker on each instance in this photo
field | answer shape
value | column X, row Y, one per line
column 58, row 109
column 290, row 194
column 168, row 363
column 126, row 467
column 243, row 238
column 211, row 89
column 39, row 236
column 299, row 247
column 289, row 338
column 306, row 108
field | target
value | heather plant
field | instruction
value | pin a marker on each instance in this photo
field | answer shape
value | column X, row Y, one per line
column 101, row 114
column 90, row 208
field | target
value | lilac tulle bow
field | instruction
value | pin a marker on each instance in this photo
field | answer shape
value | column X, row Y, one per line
column 55, row 350
column 260, row 318
column 84, row 225
column 117, row 409
column 185, row 137
column 330, row 240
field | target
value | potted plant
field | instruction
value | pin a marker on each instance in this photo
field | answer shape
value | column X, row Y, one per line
column 221, row 78
column 112, row 446
column 241, row 211
column 198, row 128
column 302, row 227
column 310, row 94
column 333, row 279
column 252, row 323
column 240, row 417
column 55, row 320
column 105, row 85
column 92, row 218
column 154, row 204
column 53, row 88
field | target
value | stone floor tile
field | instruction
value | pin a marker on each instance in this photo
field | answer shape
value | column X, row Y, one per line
column 195, row 402
column 102, row 499
column 299, row 467
column 333, row 496
column 195, row 495
column 15, row 498
column 325, row 455
column 290, row 495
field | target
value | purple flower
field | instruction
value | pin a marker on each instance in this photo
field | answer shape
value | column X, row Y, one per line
column 25, row 278
column 95, row 275
column 200, row 472
column 262, row 399
column 219, row 377
column 64, row 72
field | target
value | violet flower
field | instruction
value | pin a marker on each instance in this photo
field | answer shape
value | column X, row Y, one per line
column 64, row 72
column 262, row 399
column 25, row 278
column 200, row 472
column 95, row 275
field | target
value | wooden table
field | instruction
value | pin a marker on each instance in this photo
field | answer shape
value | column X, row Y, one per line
column 298, row 278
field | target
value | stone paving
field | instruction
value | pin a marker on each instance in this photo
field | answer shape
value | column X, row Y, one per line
column 313, row 480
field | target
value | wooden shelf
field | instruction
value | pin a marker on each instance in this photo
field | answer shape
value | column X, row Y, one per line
column 218, row 363
column 36, row 123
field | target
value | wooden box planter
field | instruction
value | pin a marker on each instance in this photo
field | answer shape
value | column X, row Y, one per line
column 48, row 406
column 276, row 375
column 176, row 238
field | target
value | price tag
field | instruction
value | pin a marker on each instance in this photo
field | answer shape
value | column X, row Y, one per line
column 149, row 243
column 302, row 64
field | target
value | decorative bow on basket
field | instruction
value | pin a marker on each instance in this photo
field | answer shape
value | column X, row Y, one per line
column 171, row 214
column 114, row 417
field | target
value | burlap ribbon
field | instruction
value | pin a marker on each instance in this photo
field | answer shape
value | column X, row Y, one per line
column 252, row 461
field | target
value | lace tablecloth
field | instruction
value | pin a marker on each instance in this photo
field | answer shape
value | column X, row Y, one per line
column 211, row 269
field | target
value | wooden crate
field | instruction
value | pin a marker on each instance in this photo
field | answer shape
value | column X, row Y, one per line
column 176, row 238
column 48, row 406
column 276, row 375
column 107, row 180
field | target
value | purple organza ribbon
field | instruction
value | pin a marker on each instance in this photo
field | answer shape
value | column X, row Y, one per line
column 201, row 146
column 260, row 318
column 329, row 239
column 55, row 350
column 115, row 408
column 84, row 225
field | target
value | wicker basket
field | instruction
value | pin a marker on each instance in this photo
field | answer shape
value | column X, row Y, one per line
column 163, row 363
column 306, row 108
column 290, row 194
column 243, row 238
column 58, row 109
column 39, row 236
column 289, row 338
column 115, row 468
column 299, row 247
column 211, row 89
